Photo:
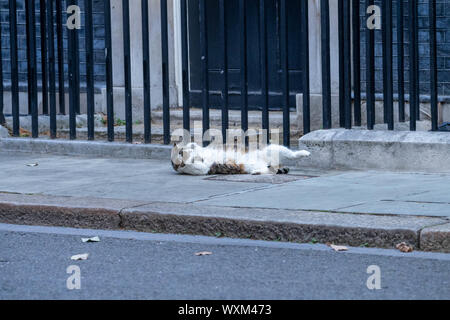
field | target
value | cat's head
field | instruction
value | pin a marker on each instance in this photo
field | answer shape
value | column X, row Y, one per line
column 177, row 157
column 181, row 154
column 185, row 154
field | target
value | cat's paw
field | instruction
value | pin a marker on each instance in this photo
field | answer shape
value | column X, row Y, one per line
column 283, row 171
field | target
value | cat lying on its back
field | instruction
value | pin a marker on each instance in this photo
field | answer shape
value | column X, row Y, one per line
column 193, row 159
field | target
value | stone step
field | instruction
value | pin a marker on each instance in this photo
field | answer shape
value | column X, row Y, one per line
column 234, row 117
column 101, row 133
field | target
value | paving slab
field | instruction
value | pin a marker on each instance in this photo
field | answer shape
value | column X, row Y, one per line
column 148, row 180
column 373, row 192
column 154, row 180
column 401, row 208
column 439, row 195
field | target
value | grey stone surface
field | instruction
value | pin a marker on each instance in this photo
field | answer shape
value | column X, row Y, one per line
column 85, row 148
column 374, row 192
column 271, row 179
column 23, row 101
column 401, row 208
column 275, row 224
column 64, row 212
column 436, row 238
column 182, row 218
column 4, row 133
column 445, row 112
column 155, row 180
column 316, row 111
column 385, row 150
column 424, row 125
column 62, row 122
column 161, row 200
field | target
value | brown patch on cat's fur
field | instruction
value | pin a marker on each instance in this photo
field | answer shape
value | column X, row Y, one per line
column 227, row 168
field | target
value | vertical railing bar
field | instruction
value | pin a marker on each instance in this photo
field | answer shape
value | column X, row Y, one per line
column 370, row 73
column 326, row 73
column 32, row 72
column 305, row 67
column 356, row 61
column 285, row 72
column 14, row 67
column 2, row 116
column 347, row 65
column 74, row 72
column 264, row 65
column 433, row 66
column 412, row 64
column 384, row 57
column 73, row 47
column 185, row 66
column 43, row 29
column 51, row 68
column 341, row 63
column 89, row 39
column 388, row 99
column 60, row 49
column 165, row 71
column 416, row 47
column 224, row 44
column 146, row 73
column 127, row 70
column 76, row 55
column 400, row 61
column 243, row 66
column 109, row 71
column 28, row 35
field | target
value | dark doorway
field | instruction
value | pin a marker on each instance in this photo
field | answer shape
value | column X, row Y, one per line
column 253, row 49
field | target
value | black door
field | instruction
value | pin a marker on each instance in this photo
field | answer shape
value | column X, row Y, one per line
column 216, row 52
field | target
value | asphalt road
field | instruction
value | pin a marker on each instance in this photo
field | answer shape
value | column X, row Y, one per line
column 131, row 265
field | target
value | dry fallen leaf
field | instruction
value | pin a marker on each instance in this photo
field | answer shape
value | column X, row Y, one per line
column 32, row 164
column 203, row 253
column 79, row 257
column 404, row 247
column 337, row 248
column 24, row 133
column 93, row 239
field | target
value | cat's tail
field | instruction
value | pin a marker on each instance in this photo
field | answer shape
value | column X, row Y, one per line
column 285, row 153
column 300, row 154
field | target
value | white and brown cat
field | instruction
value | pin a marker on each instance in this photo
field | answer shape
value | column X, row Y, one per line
column 193, row 159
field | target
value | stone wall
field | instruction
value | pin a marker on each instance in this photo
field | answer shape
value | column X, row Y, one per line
column 443, row 47
column 99, row 43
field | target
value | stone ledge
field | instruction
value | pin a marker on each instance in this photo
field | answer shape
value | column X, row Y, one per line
column 4, row 133
column 86, row 148
column 381, row 150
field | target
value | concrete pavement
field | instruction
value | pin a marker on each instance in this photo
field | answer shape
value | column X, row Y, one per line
column 132, row 265
column 350, row 207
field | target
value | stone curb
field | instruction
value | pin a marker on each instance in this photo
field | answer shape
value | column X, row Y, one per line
column 86, row 148
column 259, row 224
column 436, row 238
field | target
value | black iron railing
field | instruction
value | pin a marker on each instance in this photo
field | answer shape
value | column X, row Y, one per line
column 350, row 89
